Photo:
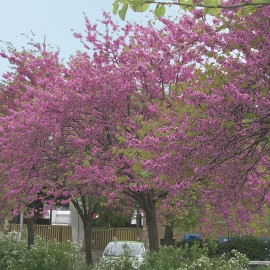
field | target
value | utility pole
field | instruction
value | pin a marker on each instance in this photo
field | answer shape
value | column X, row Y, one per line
column 138, row 220
column 21, row 227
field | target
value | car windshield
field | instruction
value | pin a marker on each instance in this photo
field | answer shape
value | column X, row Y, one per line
column 116, row 249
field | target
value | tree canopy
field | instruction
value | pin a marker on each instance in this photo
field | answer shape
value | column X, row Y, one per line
column 160, row 118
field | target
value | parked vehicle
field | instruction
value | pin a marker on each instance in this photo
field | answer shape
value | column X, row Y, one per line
column 133, row 249
column 190, row 239
column 223, row 239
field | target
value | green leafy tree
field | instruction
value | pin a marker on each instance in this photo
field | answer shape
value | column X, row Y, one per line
column 211, row 7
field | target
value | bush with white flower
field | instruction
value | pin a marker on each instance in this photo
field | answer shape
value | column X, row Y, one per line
column 14, row 255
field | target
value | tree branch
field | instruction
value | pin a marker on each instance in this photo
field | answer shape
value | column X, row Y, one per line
column 244, row 4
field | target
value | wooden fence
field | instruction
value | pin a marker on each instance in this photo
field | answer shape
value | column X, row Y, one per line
column 100, row 236
column 48, row 232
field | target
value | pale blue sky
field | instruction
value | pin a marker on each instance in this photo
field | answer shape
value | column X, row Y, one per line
column 53, row 18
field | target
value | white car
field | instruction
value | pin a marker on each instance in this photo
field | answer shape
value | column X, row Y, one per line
column 135, row 251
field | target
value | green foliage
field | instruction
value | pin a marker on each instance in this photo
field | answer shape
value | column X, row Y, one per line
column 254, row 248
column 115, row 218
column 160, row 10
column 263, row 267
column 211, row 7
column 190, row 243
column 192, row 258
column 211, row 247
column 208, row 245
column 122, row 12
column 12, row 252
column 171, row 257
column 139, row 6
column 14, row 255
column 212, row 11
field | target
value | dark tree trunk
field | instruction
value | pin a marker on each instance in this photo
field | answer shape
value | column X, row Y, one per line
column 168, row 235
column 30, row 232
column 85, row 210
column 147, row 202
column 152, row 231
column 151, row 219
column 88, row 242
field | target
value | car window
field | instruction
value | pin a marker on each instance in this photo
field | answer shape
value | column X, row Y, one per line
column 116, row 249
column 136, row 250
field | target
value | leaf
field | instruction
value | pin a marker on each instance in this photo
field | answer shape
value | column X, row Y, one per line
column 212, row 11
column 136, row 5
column 268, row 140
column 121, row 139
column 144, row 7
column 139, row 6
column 137, row 167
column 249, row 116
column 248, row 10
column 115, row 7
column 265, row 91
column 212, row 3
column 122, row 13
column 138, row 118
column 188, row 2
column 229, row 124
column 260, row 1
column 144, row 174
column 239, row 12
column 189, row 133
column 160, row 10
column 86, row 163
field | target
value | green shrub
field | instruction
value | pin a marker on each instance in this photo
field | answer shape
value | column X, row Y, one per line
column 210, row 246
column 171, row 257
column 254, row 248
column 190, row 243
column 194, row 258
column 12, row 252
column 122, row 262
column 14, row 255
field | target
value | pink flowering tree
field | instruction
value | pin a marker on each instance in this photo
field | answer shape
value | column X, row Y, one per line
column 19, row 193
column 51, row 147
column 155, row 75
column 226, row 137
column 144, row 66
column 79, row 122
column 174, row 150
column 236, row 108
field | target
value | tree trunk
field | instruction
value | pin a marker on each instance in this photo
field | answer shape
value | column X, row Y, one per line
column 152, row 229
column 88, row 241
column 86, row 216
column 30, row 232
column 168, row 235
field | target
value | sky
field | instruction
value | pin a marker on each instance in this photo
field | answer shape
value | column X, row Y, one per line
column 53, row 19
